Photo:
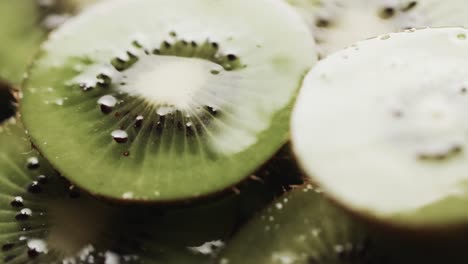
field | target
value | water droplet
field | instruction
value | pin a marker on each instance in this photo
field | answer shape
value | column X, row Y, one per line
column 107, row 103
column 165, row 110
column 120, row 136
column 127, row 195
column 73, row 192
column 42, row 179
column 279, row 206
column 34, row 187
column 38, row 245
column 32, row 163
column 126, row 153
column 385, row 37
column 24, row 214
column 59, row 102
column 17, row 202
column 139, row 121
column 224, row 261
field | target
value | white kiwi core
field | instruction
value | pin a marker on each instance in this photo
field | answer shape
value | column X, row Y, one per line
column 169, row 80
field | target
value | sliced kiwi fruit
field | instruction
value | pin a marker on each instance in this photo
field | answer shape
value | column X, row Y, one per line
column 300, row 227
column 386, row 137
column 25, row 24
column 167, row 109
column 44, row 219
column 337, row 24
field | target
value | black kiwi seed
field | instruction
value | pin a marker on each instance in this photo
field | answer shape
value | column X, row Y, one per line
column 410, row 6
column 322, row 23
column 17, row 202
column 387, row 13
column 232, row 57
column 33, row 163
column 167, row 45
column 104, row 81
column 8, row 247
column 73, row 192
column 34, row 187
column 23, row 215
column 139, row 121
column 42, row 179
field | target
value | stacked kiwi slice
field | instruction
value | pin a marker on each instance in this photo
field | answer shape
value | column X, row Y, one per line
column 337, row 24
column 229, row 132
column 166, row 109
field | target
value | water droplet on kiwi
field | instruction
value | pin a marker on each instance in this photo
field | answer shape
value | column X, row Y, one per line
column 127, row 195
column 24, row 214
column 42, row 179
column 32, row 163
column 17, row 202
column 35, row 187
column 36, row 247
column 107, row 103
column 73, row 192
column 139, row 121
column 126, row 153
column 164, row 110
column 120, row 136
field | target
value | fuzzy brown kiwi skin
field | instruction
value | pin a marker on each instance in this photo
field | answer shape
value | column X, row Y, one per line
column 393, row 230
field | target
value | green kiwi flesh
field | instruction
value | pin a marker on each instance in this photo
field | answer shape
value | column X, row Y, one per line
column 26, row 25
column 386, row 137
column 300, row 227
column 20, row 37
column 45, row 219
column 337, row 24
column 183, row 106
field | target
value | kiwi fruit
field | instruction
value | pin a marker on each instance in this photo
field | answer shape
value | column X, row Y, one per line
column 386, row 137
column 300, row 227
column 26, row 24
column 168, row 109
column 337, row 24
column 45, row 219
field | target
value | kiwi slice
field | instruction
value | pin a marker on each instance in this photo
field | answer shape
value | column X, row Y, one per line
column 337, row 24
column 44, row 219
column 386, row 136
column 25, row 24
column 300, row 227
column 166, row 109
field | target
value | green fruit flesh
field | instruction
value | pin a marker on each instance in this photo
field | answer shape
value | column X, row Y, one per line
column 166, row 109
column 25, row 25
column 20, row 37
column 298, row 228
column 44, row 219
column 387, row 137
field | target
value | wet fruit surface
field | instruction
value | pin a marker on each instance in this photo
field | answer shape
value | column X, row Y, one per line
column 187, row 112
